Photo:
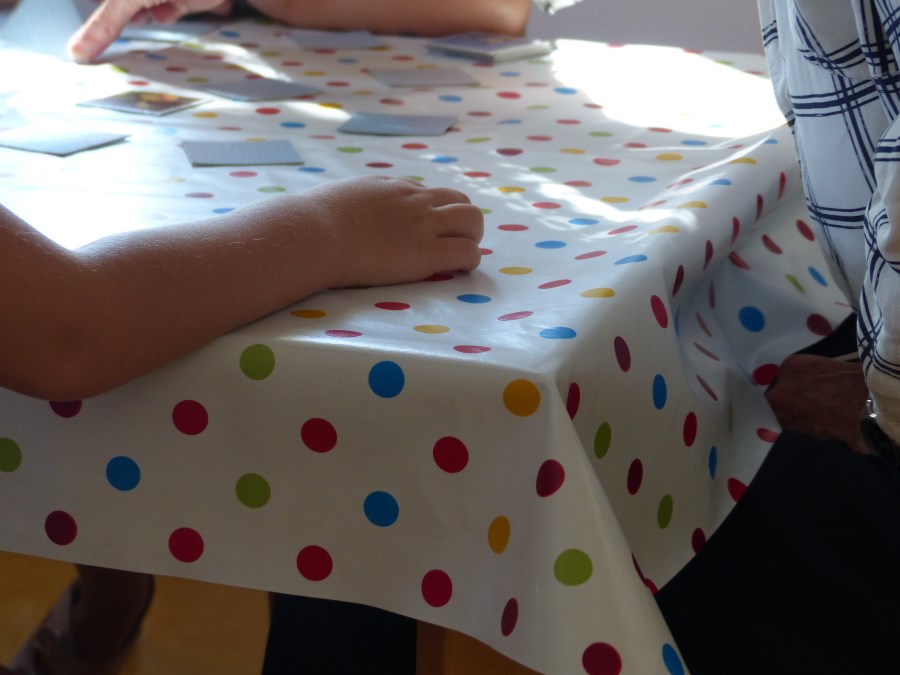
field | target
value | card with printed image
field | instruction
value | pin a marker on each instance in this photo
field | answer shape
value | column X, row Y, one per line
column 143, row 102
column 386, row 124
column 56, row 140
column 423, row 77
column 240, row 153
column 259, row 89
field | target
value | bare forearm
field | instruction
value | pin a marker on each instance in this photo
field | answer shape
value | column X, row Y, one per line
column 402, row 16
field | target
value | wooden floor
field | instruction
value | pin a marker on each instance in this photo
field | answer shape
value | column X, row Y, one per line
column 192, row 627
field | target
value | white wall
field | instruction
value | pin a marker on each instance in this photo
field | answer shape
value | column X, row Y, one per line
column 719, row 25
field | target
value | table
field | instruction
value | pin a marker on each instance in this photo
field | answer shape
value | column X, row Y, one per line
column 522, row 453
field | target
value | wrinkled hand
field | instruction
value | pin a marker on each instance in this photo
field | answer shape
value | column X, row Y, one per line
column 112, row 16
column 821, row 397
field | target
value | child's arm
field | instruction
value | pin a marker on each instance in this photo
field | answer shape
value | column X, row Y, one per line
column 78, row 323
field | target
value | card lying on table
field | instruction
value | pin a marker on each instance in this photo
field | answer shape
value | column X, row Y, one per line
column 143, row 102
column 490, row 47
column 240, row 153
column 385, row 124
column 56, row 140
column 259, row 89
column 423, row 77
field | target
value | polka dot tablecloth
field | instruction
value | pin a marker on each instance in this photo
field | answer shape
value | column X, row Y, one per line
column 524, row 453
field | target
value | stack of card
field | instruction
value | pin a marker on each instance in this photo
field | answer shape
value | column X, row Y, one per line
column 489, row 47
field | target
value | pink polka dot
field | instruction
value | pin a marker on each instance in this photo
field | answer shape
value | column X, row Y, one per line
column 510, row 617
column 805, row 230
column 736, row 489
column 623, row 354
column 342, row 333
column 514, row 316
column 450, row 454
column 477, row 174
column 702, row 323
column 738, row 261
column 621, row 230
column 243, row 174
column 190, row 417
column 690, row 429
column 606, row 161
column 555, row 284
column 392, row 306
column 200, row 195
column 66, row 409
column 318, row 435
column 819, row 325
column 698, row 540
column 635, row 476
column 268, row 111
column 589, row 255
column 658, row 307
column 573, row 400
column 601, row 658
column 765, row 374
column 709, row 390
column 437, row 588
column 509, row 152
column 510, row 227
column 414, row 146
column 471, row 349
column 550, row 478
column 635, row 145
column 547, row 205
column 314, row 563
column 186, row 545
column 61, row 528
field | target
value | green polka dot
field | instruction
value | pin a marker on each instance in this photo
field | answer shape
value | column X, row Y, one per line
column 192, row 45
column 118, row 69
column 257, row 362
column 350, row 150
column 481, row 139
column 602, row 440
column 271, row 188
column 198, row 80
column 537, row 107
column 486, row 211
column 794, row 282
column 10, row 455
column 600, row 134
column 573, row 567
column 664, row 511
column 253, row 490
column 542, row 169
column 421, row 179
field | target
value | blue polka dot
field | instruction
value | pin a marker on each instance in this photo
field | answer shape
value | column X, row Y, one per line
column 293, row 125
column 450, row 98
column 752, row 319
column 156, row 56
column 642, row 179
column 510, row 73
column 551, row 244
column 348, row 59
column 817, row 276
column 229, row 33
column 583, row 221
column 693, row 141
column 565, row 90
column 444, row 159
column 473, row 298
column 660, row 393
column 640, row 257
column 558, row 333
column 381, row 509
column 672, row 660
column 123, row 473
column 166, row 131
column 511, row 121
column 386, row 379
column 720, row 181
column 223, row 209
column 713, row 461
column 312, row 169
column 771, row 141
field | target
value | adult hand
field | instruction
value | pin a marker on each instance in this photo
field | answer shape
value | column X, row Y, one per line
column 110, row 18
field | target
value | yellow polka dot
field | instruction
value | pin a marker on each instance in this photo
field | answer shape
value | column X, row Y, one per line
column 522, row 398
column 613, row 200
column 254, row 139
column 498, row 534
column 270, row 53
column 207, row 114
column 669, row 156
column 363, row 92
column 432, row 328
column 572, row 151
column 314, row 73
column 331, row 104
column 308, row 313
column 693, row 205
column 510, row 188
column 516, row 270
column 598, row 293
column 424, row 66
column 232, row 66
column 664, row 229
column 743, row 160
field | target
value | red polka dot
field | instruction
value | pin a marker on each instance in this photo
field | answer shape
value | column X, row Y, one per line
column 514, row 316
column 547, row 205
column 479, row 113
column 698, row 540
column 186, row 545
column 540, row 138
column 606, row 161
column 623, row 354
column 392, row 306
column 658, row 307
column 736, row 489
column 690, row 429
column 679, row 279
column 635, row 145
column 738, row 261
column 392, row 101
column 61, row 528
column 735, row 229
column 379, row 165
column 190, row 417
column 138, row 83
column 510, row 617
column 760, row 205
column 268, row 111
column 601, row 658
column 450, row 454
column 573, row 400
column 805, row 230
column 243, row 174
column 771, row 245
column 703, row 325
column 314, row 563
column 555, row 284
column 509, row 152
column 318, row 435
column 550, row 478
column 708, row 253
column 767, row 435
column 782, row 183
column 819, row 325
column 414, row 146
column 342, row 333
column 589, row 255
column 711, row 295
column 471, row 349
column 578, row 183
column 765, row 374
column 176, row 69
column 509, row 94
column 437, row 588
column 570, row 122
column 709, row 390
column 338, row 84
column 622, row 230
column 510, row 227
column 66, row 408
column 477, row 174
column 635, row 476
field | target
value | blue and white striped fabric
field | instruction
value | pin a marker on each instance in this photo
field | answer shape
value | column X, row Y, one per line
column 834, row 67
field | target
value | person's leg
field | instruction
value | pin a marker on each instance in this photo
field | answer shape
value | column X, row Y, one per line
column 326, row 637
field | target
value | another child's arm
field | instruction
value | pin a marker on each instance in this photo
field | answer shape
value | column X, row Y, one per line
column 78, row 323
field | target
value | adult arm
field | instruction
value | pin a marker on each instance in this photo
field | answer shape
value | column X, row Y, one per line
column 78, row 323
